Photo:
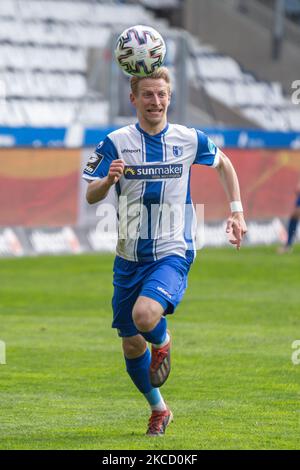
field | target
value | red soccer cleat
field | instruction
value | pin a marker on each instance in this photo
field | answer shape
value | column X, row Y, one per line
column 158, row 422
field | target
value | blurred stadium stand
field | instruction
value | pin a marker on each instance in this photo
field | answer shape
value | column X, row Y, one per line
column 48, row 58
column 43, row 59
column 242, row 73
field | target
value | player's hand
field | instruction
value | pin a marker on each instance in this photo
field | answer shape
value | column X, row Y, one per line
column 116, row 170
column 236, row 228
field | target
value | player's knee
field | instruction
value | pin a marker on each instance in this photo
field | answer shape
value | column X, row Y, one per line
column 145, row 316
column 133, row 346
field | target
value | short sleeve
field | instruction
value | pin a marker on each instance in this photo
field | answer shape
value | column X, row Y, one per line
column 99, row 161
column 207, row 152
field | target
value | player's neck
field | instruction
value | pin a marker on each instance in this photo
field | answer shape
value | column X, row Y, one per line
column 152, row 129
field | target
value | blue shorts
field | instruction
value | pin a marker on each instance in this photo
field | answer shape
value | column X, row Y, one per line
column 164, row 280
column 298, row 201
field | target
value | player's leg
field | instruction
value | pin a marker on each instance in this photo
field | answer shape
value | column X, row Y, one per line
column 148, row 318
column 162, row 290
column 292, row 226
column 291, row 229
column 138, row 358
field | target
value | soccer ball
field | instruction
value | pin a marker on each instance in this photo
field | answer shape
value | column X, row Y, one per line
column 140, row 50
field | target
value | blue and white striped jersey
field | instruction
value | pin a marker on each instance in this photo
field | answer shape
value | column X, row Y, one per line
column 155, row 205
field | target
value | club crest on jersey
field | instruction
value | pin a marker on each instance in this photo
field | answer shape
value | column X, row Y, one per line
column 177, row 150
column 152, row 172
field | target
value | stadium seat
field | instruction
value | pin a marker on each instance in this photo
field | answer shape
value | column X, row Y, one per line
column 43, row 61
column 94, row 113
column 11, row 114
column 293, row 116
column 7, row 9
column 224, row 80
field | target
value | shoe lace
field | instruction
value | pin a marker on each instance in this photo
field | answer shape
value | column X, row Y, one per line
column 158, row 357
column 155, row 421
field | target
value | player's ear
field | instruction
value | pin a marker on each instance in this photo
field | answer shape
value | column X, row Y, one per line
column 132, row 99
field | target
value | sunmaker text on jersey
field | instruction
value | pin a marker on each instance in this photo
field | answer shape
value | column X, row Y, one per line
column 153, row 171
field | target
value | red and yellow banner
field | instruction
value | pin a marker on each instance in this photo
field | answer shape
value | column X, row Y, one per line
column 267, row 178
column 43, row 187
column 39, row 187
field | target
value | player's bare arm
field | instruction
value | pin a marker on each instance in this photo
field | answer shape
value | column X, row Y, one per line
column 98, row 189
column 236, row 226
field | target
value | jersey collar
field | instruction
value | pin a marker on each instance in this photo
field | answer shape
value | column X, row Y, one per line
column 155, row 135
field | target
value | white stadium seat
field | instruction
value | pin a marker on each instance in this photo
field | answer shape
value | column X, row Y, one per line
column 224, row 80
column 221, row 91
column 218, row 67
column 43, row 59
column 43, row 85
column 43, row 113
column 11, row 114
column 7, row 8
column 94, row 113
column 270, row 119
column 293, row 116
column 59, row 114
column 82, row 12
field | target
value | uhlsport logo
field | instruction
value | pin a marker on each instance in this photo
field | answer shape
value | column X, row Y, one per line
column 130, row 150
column 136, row 172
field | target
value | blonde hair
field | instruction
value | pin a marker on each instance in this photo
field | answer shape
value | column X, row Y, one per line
column 161, row 72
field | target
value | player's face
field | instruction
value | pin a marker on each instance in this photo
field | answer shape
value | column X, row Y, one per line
column 151, row 102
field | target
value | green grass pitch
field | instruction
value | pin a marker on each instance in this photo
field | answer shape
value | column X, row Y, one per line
column 233, row 384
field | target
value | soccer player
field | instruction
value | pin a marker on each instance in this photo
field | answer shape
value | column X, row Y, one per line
column 292, row 225
column 149, row 166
